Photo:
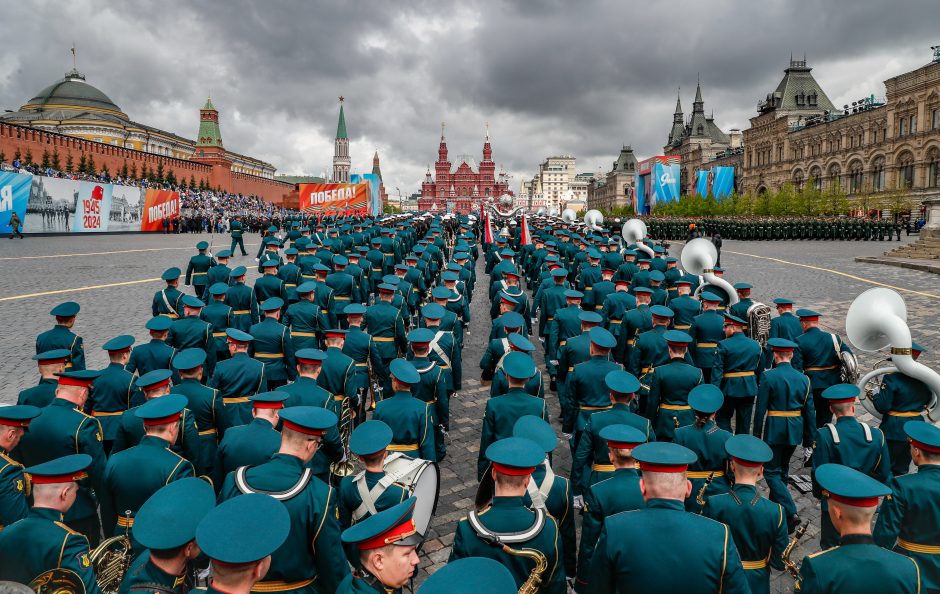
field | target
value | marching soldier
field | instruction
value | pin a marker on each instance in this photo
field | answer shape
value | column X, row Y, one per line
column 241, row 298
column 684, row 306
column 784, row 397
column 450, row 320
column 509, row 321
column 650, row 348
column 345, row 290
column 304, row 318
column 468, row 576
column 192, row 332
column 853, row 444
column 708, row 329
column 508, row 522
column 236, row 228
column 62, row 337
column 156, row 354
column 901, row 400
column 613, row 310
column 409, row 418
column 220, row 273
column 432, row 388
column 637, row 320
column 42, row 542
column 290, row 273
column 338, row 375
column 704, row 558
column 114, row 391
column 219, row 316
column 586, row 386
column 370, row 491
column 62, row 429
column 707, row 441
column 323, row 295
column 669, row 387
column 785, row 325
column 166, row 301
column 272, row 344
column 359, row 346
column 549, row 300
column 444, row 347
column 14, row 422
column 203, row 401
column 744, row 303
column 50, row 363
column 500, row 384
column 856, row 564
column 757, row 525
column 819, row 356
column 736, row 371
column 268, row 284
column 908, row 521
column 312, row 551
column 385, row 325
column 254, row 443
column 566, row 323
column 198, row 269
column 237, row 378
column 576, row 349
column 497, row 348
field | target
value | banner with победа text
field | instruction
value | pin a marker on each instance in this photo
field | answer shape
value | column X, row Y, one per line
column 334, row 199
column 159, row 205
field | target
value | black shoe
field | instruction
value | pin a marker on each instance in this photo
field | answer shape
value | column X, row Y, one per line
column 553, row 386
column 792, row 522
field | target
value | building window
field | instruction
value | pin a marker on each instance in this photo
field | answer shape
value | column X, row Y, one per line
column 906, row 172
column 856, row 178
column 798, row 180
column 878, row 174
column 913, row 124
column 933, row 168
column 936, row 119
column 902, row 127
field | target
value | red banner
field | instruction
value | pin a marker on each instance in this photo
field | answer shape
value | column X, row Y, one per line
column 334, row 199
column 159, row 205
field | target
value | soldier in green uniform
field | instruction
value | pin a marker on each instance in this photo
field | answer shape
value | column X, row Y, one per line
column 50, row 363
column 707, row 473
column 432, row 388
column 613, row 311
column 219, row 316
column 618, row 493
column 757, row 525
column 669, row 386
column 165, row 528
column 338, row 374
column 156, row 354
column 290, row 273
column 134, row 474
column 856, row 563
column 323, row 295
column 236, row 379
column 220, row 273
column 636, row 321
column 312, row 552
column 684, row 306
column 785, row 325
column 385, row 325
column 909, row 521
column 62, row 337
column 566, row 323
column 241, row 298
column 42, row 541
column 272, row 344
column 269, row 285
column 304, row 318
column 586, row 386
column 468, row 576
column 14, row 422
column 444, row 347
column 237, row 228
column 507, row 521
column 204, row 402
column 198, row 269
column 702, row 557
column 819, row 357
column 371, row 490
column 744, row 303
column 114, row 391
column 736, row 371
column 577, row 349
column 62, row 429
column 254, row 443
column 190, row 331
column 166, row 301
column 902, row 399
column 409, row 418
column 500, row 385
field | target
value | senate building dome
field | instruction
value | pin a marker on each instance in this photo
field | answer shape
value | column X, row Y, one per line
column 74, row 98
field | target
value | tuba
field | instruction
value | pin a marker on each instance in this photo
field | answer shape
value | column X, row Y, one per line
column 569, row 215
column 58, row 581
column 758, row 322
column 878, row 319
column 594, row 219
column 698, row 257
column 634, row 231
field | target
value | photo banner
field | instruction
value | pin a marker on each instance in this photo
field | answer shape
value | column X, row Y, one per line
column 701, row 182
column 665, row 183
column 723, row 183
column 14, row 198
column 92, row 207
column 159, row 205
column 52, row 205
column 334, row 199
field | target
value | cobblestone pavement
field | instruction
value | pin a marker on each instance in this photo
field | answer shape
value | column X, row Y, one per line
column 120, row 286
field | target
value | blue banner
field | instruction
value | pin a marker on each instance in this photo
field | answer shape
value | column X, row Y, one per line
column 375, row 198
column 701, row 183
column 640, row 205
column 665, row 182
column 14, row 196
column 723, row 184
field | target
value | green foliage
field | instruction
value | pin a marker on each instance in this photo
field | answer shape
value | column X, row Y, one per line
column 3, row 157
column 69, row 163
column 56, row 163
column 620, row 211
column 83, row 164
column 46, row 162
column 90, row 164
column 160, row 171
column 104, row 170
column 124, row 170
column 192, row 182
column 28, row 157
column 389, row 209
column 133, row 170
column 171, row 178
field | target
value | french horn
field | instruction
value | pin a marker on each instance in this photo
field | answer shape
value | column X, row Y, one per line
column 634, row 231
column 698, row 257
column 878, row 319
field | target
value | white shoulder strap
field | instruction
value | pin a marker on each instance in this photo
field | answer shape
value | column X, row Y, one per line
column 436, row 347
column 835, row 434
column 506, row 351
column 539, row 494
column 867, row 431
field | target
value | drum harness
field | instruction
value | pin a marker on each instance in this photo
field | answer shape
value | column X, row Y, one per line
column 371, row 496
column 539, row 494
column 244, row 487
column 501, row 538
column 436, row 347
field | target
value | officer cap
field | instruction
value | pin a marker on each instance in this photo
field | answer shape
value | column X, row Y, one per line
column 171, row 274
column 519, row 365
column 419, row 249
column 168, row 519
column 119, row 343
column 272, row 303
column 404, row 371
column 70, row 308
column 512, row 319
column 306, row 287
column 551, row 258
column 18, row 415
column 602, row 338
column 743, row 286
column 622, row 437
column 161, row 411
column 661, row 311
column 405, row 267
column 335, row 333
column 158, row 323
column 572, row 294
column 924, row 436
column 507, row 253
column 224, row 254
column 274, row 399
column 310, row 356
column 518, row 342
column 734, row 320
column 309, row 420
column 590, row 317
column 841, row 393
column 643, row 290
column 461, row 256
column 622, row 382
column 748, row 450
column 659, row 249
column 781, row 345
column 394, row 525
column 629, row 252
column 237, row 336
column 53, row 356
column 677, row 338
column 239, row 271
column 657, row 276
column 449, row 275
column 354, row 309
column 710, row 297
column 506, row 298
column 849, row 486
column 340, row 261
column 608, row 269
column 244, row 529
column 594, row 255
column 364, row 249
column 291, row 251
column 663, row 456
column 706, row 398
column 270, row 263
column 369, row 438
column 643, row 260
column 560, row 273
column 807, row 314
column 189, row 359
column 684, row 281
column 202, row 245
column 433, row 311
column 421, row 336
column 193, row 301
column 82, row 379
column 671, row 260
column 272, row 229
column 376, row 241
column 783, row 301
column 218, row 289
column 511, row 274
column 66, row 469
column 515, row 456
column 441, row 293
column 536, row 429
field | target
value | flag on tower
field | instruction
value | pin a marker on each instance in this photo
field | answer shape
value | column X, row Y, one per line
column 526, row 234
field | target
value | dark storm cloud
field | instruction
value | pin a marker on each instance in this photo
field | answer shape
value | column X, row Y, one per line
column 579, row 78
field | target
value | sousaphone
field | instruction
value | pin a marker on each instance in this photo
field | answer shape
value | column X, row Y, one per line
column 634, row 231
column 698, row 257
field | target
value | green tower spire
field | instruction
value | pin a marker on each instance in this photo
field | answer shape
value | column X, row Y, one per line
column 341, row 126
column 209, row 133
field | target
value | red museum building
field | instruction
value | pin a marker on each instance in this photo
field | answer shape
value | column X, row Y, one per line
column 460, row 185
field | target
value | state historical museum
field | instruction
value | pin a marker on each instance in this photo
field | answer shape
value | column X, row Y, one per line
column 460, row 186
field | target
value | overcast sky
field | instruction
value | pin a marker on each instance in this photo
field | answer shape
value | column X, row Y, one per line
column 553, row 77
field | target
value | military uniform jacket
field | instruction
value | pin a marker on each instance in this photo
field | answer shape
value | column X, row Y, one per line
column 313, row 550
column 493, row 356
column 501, row 414
column 708, row 443
column 535, row 386
column 508, row 515
column 560, row 504
column 785, row 413
column 669, row 387
column 114, row 392
column 909, row 521
column 853, row 450
column 758, row 528
column 587, row 392
column 219, row 273
column 290, row 274
column 857, row 565
column 786, row 326
column 592, row 458
column 565, row 325
column 707, row 331
column 692, row 554
column 686, row 308
column 149, row 356
column 269, row 285
column 650, row 350
column 740, row 308
column 737, row 366
column 345, row 291
column 432, row 389
column 635, row 322
column 241, row 298
column 41, row 542
column 193, row 332
column 272, row 346
column 900, row 398
column 206, row 406
column 167, row 302
column 614, row 308
column 60, row 430
column 350, row 499
column 133, row 475
column 619, row 493
column 337, row 375
column 236, row 379
column 447, row 354
column 360, row 347
column 143, row 572
column 219, row 316
column 130, row 432
column 39, row 395
column 13, row 504
column 410, row 420
column 818, row 359
column 245, row 445
column 323, row 297
column 197, row 271
column 306, row 324
column 549, row 301
column 383, row 321
column 60, row 337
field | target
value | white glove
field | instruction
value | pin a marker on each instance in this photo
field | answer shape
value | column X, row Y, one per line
column 807, row 454
column 578, row 501
column 566, row 436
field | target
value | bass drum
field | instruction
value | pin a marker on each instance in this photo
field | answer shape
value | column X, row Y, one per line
column 421, row 478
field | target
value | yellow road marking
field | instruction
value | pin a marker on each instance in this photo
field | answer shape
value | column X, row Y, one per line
column 107, row 253
column 831, row 271
column 135, row 282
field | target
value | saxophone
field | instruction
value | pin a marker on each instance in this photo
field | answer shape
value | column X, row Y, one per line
column 345, row 467
column 791, row 566
column 534, row 581
column 700, row 498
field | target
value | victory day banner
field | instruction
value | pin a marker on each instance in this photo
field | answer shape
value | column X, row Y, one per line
column 334, row 199
column 14, row 196
column 723, row 181
column 159, row 205
column 92, row 207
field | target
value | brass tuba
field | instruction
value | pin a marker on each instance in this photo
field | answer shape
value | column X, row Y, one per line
column 758, row 322
column 634, row 231
column 878, row 319
column 698, row 257
column 111, row 560
column 534, row 581
column 569, row 215
column 593, row 219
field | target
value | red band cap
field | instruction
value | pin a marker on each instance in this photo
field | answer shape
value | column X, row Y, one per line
column 65, row 380
column 272, row 405
column 57, row 478
column 915, row 443
column 52, row 361
column 841, row 400
column 622, row 445
column 677, row 344
column 747, row 463
column 809, row 319
column 15, row 422
column 303, row 361
column 335, row 334
column 649, row 466
column 854, row 501
column 304, row 430
column 152, row 387
column 238, row 342
column 779, row 349
column 513, row 470
column 400, row 532
column 163, row 420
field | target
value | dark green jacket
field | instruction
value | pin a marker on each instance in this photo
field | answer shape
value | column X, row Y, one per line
column 858, row 565
column 206, row 406
column 900, row 393
column 708, row 443
column 737, row 354
column 707, row 331
column 236, row 379
column 114, row 391
column 192, row 332
column 668, row 404
column 818, row 359
column 130, row 432
column 306, row 324
column 143, row 572
column 410, row 420
column 60, row 337
column 350, row 500
column 587, row 391
column 13, row 503
column 167, row 302
column 39, row 395
column 272, row 346
column 241, row 298
column 245, row 445
column 784, row 389
column 501, row 415
column 149, row 356
column 853, row 450
column 591, row 462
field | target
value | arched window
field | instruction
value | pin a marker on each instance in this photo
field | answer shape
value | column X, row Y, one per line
column 856, row 177
column 798, row 180
column 834, row 174
column 816, row 174
column 878, row 174
column 933, row 168
column 906, row 170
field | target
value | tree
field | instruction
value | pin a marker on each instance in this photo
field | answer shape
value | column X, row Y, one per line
column 55, row 159
column 90, row 164
column 124, row 170
column 83, row 164
column 105, row 172
column 171, row 178
column 898, row 202
column 3, row 157
column 69, row 163
column 16, row 154
column 144, row 174
column 28, row 157
column 133, row 171
column 192, row 182
column 160, row 171
column 46, row 162
column 835, row 200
